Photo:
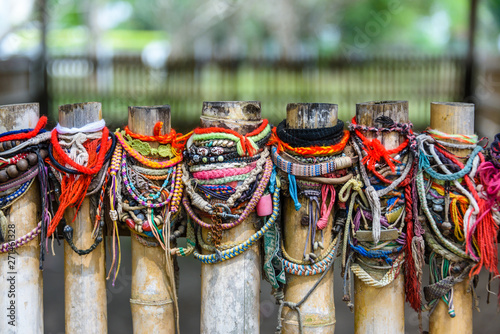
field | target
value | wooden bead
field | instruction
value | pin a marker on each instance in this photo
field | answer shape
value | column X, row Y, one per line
column 22, row 165
column 44, row 153
column 32, row 159
column 12, row 171
column 7, row 145
column 3, row 176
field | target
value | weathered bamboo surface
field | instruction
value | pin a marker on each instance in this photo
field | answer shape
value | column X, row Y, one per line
column 22, row 283
column 230, row 289
column 453, row 118
column 318, row 311
column 84, row 276
column 380, row 310
column 151, row 300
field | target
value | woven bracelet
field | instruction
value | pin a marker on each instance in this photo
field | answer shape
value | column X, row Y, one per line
column 309, row 170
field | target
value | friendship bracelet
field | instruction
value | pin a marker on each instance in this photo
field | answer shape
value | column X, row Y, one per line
column 248, row 209
column 309, row 170
column 11, row 245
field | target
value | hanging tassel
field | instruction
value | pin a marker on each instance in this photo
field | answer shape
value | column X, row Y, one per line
column 486, row 237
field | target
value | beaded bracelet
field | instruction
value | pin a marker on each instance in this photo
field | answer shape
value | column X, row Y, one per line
column 246, row 145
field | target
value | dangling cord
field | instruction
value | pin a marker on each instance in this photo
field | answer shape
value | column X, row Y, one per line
column 170, row 268
column 292, row 188
column 325, row 212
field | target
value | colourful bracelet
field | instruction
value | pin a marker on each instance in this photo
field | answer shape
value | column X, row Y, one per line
column 249, row 208
column 309, row 170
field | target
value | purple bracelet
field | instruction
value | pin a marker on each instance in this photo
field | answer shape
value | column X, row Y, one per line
column 6, row 247
column 268, row 168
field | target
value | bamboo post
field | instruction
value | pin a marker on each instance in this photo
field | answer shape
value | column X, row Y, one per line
column 318, row 311
column 21, row 283
column 151, row 300
column 84, row 276
column 230, row 289
column 379, row 310
column 454, row 118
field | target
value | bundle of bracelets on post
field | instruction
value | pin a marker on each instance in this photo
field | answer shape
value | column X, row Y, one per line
column 78, row 160
column 311, row 162
column 456, row 212
column 227, row 177
column 21, row 160
column 146, row 188
column 382, row 231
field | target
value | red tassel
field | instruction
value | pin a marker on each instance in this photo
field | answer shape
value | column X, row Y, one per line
column 486, row 238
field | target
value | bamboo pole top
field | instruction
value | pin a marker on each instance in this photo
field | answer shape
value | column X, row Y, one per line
column 240, row 116
column 142, row 119
column 367, row 113
column 453, row 117
column 79, row 114
column 311, row 115
column 19, row 116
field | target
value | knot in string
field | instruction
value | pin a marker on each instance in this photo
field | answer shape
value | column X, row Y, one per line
column 376, row 151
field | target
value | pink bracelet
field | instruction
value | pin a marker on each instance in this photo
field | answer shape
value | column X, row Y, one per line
column 220, row 173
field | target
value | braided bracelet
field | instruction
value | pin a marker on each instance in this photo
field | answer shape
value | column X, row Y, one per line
column 11, row 245
column 311, row 269
column 310, row 137
column 249, row 208
column 230, row 253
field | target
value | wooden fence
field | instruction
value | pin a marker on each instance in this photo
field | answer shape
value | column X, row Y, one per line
column 121, row 81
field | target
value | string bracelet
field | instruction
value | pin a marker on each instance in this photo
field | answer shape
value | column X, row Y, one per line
column 246, row 145
column 309, row 169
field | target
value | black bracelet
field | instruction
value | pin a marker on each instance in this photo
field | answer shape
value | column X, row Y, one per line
column 68, row 235
column 67, row 170
column 311, row 137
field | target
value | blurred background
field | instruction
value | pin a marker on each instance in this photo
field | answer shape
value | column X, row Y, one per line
column 150, row 52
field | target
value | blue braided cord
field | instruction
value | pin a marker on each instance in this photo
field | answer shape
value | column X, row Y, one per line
column 376, row 254
column 308, row 269
column 292, row 188
column 272, row 180
column 15, row 132
column 425, row 165
column 9, row 198
column 227, row 254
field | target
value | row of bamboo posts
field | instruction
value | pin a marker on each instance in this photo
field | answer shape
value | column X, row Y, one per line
column 229, row 290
